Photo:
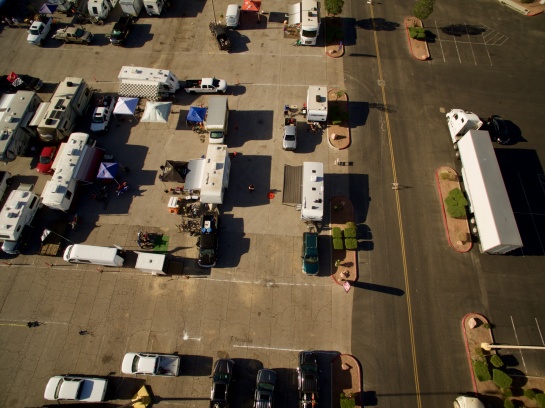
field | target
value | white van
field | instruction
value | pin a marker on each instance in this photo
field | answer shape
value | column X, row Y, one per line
column 97, row 255
column 232, row 16
column 217, row 119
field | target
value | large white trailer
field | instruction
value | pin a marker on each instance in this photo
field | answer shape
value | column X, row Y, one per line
column 305, row 16
column 488, row 200
column 312, row 207
column 149, row 83
column 217, row 166
column 317, row 104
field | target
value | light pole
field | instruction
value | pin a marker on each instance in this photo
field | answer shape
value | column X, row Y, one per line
column 488, row 347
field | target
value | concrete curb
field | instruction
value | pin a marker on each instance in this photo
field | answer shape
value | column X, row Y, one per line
column 468, row 351
column 410, row 43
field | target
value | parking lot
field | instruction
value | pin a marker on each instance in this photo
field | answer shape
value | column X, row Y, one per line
column 256, row 306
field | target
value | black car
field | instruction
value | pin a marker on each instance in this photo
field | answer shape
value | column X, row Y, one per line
column 22, row 83
column 499, row 130
column 208, row 240
column 264, row 389
column 221, row 379
column 121, row 30
column 307, row 379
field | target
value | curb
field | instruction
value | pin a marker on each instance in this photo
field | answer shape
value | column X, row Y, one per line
column 410, row 44
column 468, row 351
column 445, row 215
column 349, row 137
column 359, row 398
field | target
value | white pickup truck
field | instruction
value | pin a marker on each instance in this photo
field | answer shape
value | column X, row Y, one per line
column 151, row 364
column 38, row 31
column 205, row 85
column 103, row 114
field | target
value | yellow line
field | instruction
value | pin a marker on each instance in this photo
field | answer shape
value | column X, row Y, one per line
column 400, row 221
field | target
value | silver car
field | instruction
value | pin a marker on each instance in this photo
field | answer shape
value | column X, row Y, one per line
column 289, row 141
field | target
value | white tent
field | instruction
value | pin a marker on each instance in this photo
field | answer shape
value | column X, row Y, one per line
column 125, row 106
column 156, row 112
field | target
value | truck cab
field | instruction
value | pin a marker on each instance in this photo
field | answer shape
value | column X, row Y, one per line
column 38, row 30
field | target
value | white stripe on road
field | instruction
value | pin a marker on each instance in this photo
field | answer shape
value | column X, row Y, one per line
column 265, row 348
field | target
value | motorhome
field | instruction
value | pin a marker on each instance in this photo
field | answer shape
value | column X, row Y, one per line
column 217, row 119
column 132, row 7
column 317, row 104
column 493, row 220
column 232, row 16
column 16, row 112
column 96, row 255
column 149, row 83
column 305, row 16
column 99, row 8
column 312, row 206
column 55, row 120
column 18, row 212
column 77, row 161
column 217, row 166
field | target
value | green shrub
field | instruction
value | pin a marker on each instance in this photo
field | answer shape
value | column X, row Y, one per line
column 350, row 224
column 351, row 244
column 529, row 393
column 507, row 393
column 417, row 33
column 336, row 122
column 423, row 8
column 334, row 7
column 508, row 404
column 456, row 211
column 337, row 243
column 496, row 361
column 347, row 402
column 501, row 379
column 480, row 368
column 479, row 351
column 450, row 201
column 444, row 175
column 350, row 233
column 540, row 399
column 487, row 326
column 457, row 194
column 337, row 232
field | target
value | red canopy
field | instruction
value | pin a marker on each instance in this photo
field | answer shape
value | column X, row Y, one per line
column 251, row 5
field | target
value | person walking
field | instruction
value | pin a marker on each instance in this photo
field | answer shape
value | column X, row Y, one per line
column 251, row 188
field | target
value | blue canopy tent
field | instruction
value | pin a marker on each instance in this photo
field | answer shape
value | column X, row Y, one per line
column 195, row 115
column 107, row 172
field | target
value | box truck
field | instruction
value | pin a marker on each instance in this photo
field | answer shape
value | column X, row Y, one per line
column 132, row 7
column 217, row 119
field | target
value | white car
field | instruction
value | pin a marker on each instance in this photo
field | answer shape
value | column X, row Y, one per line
column 151, row 364
column 289, row 140
column 468, row 402
column 76, row 389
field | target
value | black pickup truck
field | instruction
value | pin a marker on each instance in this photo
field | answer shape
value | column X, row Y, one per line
column 208, row 240
column 121, row 30
column 220, row 32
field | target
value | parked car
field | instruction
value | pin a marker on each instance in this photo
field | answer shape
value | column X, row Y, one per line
column 289, row 140
column 151, row 364
column 76, row 388
column 121, row 30
column 307, row 379
column 311, row 265
column 264, row 388
column 47, row 156
column 468, row 402
column 103, row 113
column 221, row 380
column 499, row 130
column 208, row 240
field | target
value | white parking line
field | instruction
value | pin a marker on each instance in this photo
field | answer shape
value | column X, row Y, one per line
column 441, row 45
column 266, row 282
column 518, row 344
column 264, row 348
column 469, row 38
column 539, row 330
column 531, row 214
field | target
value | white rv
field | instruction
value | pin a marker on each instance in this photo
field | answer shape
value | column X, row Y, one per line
column 312, row 207
column 149, row 83
column 317, row 104
column 56, row 119
column 217, row 166
column 76, row 161
column 16, row 112
column 99, row 8
column 155, row 7
column 132, row 7
column 488, row 200
column 18, row 212
column 460, row 122
column 306, row 17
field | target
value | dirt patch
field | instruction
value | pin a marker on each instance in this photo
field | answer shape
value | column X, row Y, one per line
column 338, row 130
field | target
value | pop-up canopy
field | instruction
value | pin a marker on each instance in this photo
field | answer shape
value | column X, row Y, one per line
column 125, row 106
column 156, row 112
column 107, row 171
column 196, row 115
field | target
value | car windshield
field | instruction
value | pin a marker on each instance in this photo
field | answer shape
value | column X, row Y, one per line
column 216, row 135
column 290, row 138
column 98, row 119
column 79, row 32
column 45, row 159
column 34, row 31
column 311, row 258
column 135, row 364
column 309, row 34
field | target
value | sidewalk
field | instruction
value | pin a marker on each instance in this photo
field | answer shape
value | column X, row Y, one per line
column 346, row 378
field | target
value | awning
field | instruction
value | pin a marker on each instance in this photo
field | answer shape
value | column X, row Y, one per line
column 87, row 171
column 125, row 106
column 40, row 112
column 294, row 11
column 195, row 172
column 196, row 114
column 156, row 112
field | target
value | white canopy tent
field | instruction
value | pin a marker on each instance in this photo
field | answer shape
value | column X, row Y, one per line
column 156, row 112
column 126, row 106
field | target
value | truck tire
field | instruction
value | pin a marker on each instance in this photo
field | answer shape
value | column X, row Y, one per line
column 192, row 92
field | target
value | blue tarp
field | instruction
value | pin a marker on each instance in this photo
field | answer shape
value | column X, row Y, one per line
column 107, row 171
column 196, row 114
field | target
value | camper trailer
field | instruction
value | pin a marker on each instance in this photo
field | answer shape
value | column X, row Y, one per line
column 155, row 7
column 312, row 207
column 132, row 7
column 16, row 112
column 217, row 166
column 17, row 213
column 77, row 161
column 56, row 119
column 317, row 104
column 149, row 83
column 99, row 8
column 306, row 17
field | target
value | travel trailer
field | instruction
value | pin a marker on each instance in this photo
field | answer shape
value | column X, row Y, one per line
column 312, row 206
column 317, row 104
column 305, row 16
column 149, row 83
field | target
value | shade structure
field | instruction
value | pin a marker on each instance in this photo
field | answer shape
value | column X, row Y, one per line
column 125, row 106
column 251, row 5
column 174, row 171
column 196, row 114
column 156, row 112
column 107, row 171
column 48, row 8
